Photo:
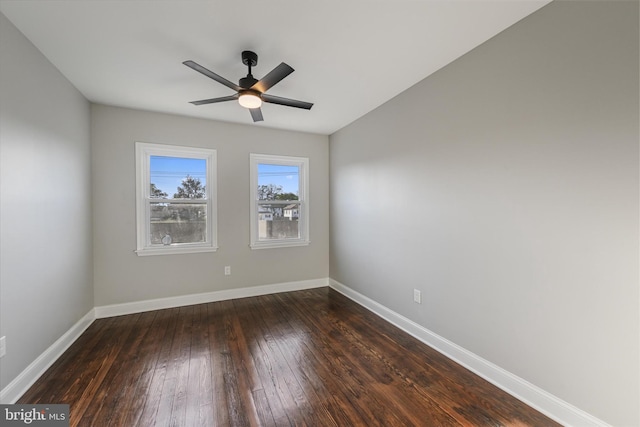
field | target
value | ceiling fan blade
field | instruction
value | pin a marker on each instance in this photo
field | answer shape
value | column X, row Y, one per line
column 286, row 101
column 214, row 100
column 199, row 68
column 271, row 79
column 256, row 114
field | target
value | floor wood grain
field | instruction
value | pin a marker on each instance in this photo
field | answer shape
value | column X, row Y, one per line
column 298, row 358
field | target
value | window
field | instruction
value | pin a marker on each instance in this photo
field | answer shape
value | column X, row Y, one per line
column 279, row 201
column 176, row 199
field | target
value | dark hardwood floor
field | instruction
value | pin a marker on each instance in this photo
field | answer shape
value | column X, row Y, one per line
column 298, row 358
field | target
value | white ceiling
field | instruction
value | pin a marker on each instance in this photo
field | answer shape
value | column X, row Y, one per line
column 350, row 56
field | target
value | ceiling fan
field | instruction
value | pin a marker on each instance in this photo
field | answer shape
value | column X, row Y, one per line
column 250, row 92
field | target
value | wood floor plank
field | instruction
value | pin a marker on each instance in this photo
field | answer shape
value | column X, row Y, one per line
column 200, row 393
column 153, row 399
column 253, row 320
column 293, row 394
column 181, row 362
column 144, row 362
column 217, row 348
column 233, row 372
column 241, row 373
column 175, row 371
column 276, row 376
column 309, row 357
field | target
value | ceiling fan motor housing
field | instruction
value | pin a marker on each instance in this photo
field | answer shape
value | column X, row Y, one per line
column 247, row 82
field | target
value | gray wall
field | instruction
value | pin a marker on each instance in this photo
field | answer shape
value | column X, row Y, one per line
column 122, row 276
column 505, row 187
column 45, row 203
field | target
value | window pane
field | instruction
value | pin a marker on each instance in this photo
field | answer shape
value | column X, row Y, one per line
column 183, row 223
column 277, row 221
column 177, row 177
column 278, row 182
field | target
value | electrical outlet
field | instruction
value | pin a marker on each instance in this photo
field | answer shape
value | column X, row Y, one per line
column 3, row 346
column 417, row 296
column 227, row 270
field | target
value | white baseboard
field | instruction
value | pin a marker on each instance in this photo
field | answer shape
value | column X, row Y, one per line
column 553, row 407
column 16, row 388
column 183, row 300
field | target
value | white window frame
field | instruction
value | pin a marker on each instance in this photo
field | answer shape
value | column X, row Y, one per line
column 144, row 151
column 303, row 199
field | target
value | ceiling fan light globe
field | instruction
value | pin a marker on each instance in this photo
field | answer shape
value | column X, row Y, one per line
column 249, row 100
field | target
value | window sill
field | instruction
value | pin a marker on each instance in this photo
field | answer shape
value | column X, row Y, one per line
column 174, row 250
column 278, row 244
